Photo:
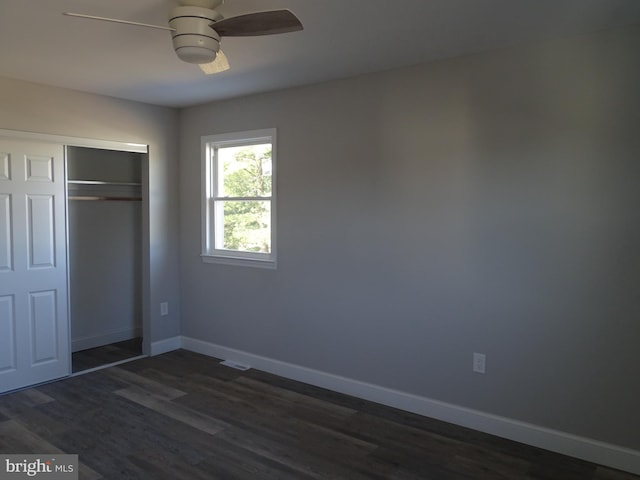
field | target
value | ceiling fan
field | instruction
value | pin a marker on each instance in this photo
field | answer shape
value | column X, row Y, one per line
column 196, row 29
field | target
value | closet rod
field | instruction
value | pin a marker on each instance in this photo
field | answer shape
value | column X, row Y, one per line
column 96, row 198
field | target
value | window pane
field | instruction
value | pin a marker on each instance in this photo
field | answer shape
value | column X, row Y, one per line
column 245, row 171
column 246, row 226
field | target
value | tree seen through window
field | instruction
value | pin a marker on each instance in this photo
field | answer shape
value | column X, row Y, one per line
column 245, row 175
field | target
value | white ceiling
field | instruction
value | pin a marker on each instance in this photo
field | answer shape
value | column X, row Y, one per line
column 341, row 38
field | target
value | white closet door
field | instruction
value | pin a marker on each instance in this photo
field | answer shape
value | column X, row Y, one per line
column 34, row 320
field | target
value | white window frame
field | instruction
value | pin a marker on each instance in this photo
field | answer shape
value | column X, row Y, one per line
column 210, row 254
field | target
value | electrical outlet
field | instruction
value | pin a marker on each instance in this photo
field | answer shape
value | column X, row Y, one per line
column 479, row 362
column 164, row 308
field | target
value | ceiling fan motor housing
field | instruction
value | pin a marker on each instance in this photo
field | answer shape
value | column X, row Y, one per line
column 210, row 4
column 193, row 39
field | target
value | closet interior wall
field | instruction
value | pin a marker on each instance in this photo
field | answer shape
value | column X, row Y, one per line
column 105, row 246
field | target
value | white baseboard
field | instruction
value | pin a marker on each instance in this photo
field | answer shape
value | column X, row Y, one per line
column 166, row 345
column 560, row 442
column 104, row 338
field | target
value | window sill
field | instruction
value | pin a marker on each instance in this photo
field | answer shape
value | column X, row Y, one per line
column 239, row 261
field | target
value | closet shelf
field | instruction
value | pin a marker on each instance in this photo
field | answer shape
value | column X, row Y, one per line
column 102, row 190
column 98, row 182
column 104, row 199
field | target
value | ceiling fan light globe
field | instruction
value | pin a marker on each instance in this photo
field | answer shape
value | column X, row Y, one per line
column 196, row 48
column 197, row 55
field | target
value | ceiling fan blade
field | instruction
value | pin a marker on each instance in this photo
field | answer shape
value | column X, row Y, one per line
column 220, row 64
column 260, row 23
column 117, row 20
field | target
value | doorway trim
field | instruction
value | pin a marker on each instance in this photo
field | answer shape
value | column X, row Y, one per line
column 77, row 141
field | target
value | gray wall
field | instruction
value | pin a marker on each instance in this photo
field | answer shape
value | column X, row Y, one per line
column 105, row 281
column 480, row 204
column 36, row 108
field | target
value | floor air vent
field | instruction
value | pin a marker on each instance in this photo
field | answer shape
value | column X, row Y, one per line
column 236, row 365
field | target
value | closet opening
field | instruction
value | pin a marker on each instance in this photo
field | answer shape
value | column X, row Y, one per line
column 105, row 224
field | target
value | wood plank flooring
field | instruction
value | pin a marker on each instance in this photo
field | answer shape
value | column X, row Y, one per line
column 183, row 416
column 115, row 352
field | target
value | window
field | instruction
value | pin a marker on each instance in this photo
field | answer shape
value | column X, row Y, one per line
column 239, row 208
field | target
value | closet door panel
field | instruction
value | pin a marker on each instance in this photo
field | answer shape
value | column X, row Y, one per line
column 44, row 324
column 41, row 233
column 6, row 252
column 5, row 166
column 7, row 334
column 34, row 319
column 39, row 169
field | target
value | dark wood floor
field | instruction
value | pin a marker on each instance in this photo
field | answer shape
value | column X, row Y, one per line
column 183, row 416
column 115, row 352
